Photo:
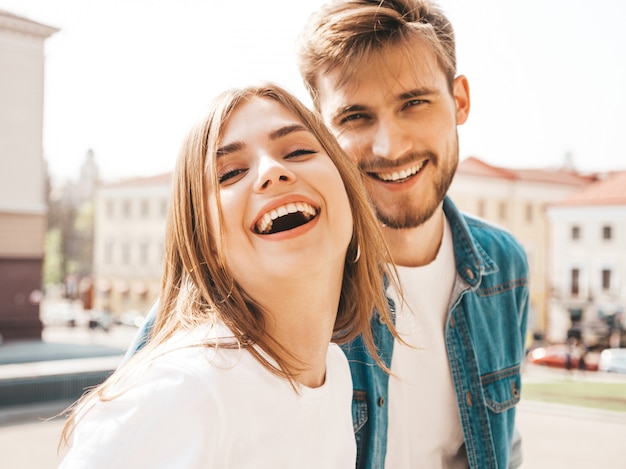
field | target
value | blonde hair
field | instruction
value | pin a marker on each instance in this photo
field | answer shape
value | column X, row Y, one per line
column 344, row 34
column 197, row 286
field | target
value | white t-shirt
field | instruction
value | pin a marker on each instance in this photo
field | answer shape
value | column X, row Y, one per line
column 424, row 421
column 195, row 407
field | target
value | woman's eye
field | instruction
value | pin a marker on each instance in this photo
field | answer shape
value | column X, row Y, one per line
column 300, row 152
column 230, row 175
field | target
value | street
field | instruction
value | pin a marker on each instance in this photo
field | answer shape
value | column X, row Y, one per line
column 553, row 437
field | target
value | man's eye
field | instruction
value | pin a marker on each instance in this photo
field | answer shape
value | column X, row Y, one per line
column 230, row 175
column 415, row 102
column 351, row 118
column 300, row 152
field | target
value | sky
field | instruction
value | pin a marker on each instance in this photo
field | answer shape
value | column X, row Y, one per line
column 127, row 78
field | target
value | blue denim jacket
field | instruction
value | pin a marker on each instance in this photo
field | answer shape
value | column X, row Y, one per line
column 485, row 334
column 485, row 337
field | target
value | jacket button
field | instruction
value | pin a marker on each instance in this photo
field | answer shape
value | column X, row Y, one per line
column 468, row 398
column 470, row 273
column 381, row 319
column 381, row 401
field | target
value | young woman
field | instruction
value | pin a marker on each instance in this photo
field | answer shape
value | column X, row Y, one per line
column 272, row 252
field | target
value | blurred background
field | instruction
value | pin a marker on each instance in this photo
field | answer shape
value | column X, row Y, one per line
column 95, row 97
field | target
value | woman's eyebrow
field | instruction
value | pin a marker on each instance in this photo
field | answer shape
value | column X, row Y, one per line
column 286, row 130
column 230, row 148
column 274, row 135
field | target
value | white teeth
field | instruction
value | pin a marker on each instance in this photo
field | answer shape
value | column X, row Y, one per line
column 265, row 223
column 399, row 175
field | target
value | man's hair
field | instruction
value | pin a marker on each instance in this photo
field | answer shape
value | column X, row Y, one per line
column 344, row 33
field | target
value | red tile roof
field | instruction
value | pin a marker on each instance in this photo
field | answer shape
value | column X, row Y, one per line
column 473, row 166
column 610, row 190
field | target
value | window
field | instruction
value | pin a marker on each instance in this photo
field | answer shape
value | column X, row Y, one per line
column 126, row 208
column 110, row 208
column 145, row 208
column 607, row 232
column 502, row 209
column 143, row 253
column 575, row 232
column 606, row 279
column 125, row 253
column 108, row 252
column 575, row 282
column 480, row 211
column 529, row 212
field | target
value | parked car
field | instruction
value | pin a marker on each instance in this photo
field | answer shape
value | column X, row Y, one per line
column 613, row 360
column 556, row 356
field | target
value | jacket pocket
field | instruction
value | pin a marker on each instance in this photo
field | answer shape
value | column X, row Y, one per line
column 502, row 388
column 359, row 410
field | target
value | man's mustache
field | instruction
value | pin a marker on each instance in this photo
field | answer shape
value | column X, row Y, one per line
column 384, row 164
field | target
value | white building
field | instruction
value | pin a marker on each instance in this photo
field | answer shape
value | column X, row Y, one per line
column 22, row 174
column 588, row 258
column 129, row 236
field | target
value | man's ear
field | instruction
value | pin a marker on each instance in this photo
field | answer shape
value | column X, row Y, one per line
column 461, row 94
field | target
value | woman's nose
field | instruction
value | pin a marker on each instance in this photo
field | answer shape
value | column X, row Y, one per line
column 272, row 173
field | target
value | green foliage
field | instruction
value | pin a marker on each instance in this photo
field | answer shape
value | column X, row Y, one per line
column 599, row 395
column 53, row 258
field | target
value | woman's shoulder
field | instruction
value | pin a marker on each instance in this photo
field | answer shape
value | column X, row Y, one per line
column 337, row 363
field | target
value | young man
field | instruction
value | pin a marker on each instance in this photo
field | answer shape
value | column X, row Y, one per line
column 383, row 75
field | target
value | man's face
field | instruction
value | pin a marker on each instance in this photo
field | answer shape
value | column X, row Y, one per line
column 397, row 118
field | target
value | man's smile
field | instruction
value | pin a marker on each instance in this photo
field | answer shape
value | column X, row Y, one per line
column 399, row 176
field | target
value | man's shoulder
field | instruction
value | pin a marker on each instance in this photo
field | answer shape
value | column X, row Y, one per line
column 495, row 240
column 483, row 229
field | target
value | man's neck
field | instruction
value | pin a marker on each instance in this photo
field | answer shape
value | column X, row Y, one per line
column 415, row 247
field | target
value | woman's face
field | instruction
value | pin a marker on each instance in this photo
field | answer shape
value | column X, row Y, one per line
column 285, row 210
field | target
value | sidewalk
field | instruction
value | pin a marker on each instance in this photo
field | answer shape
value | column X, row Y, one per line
column 61, row 365
column 554, row 436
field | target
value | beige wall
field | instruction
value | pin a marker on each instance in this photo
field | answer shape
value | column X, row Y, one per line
column 22, row 179
column 22, row 174
column 22, row 235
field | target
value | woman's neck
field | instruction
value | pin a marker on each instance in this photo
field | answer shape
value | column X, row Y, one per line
column 301, row 318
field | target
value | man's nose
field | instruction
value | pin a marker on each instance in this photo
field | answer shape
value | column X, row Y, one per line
column 391, row 139
column 272, row 172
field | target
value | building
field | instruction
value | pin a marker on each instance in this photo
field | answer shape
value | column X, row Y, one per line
column 22, row 174
column 129, row 236
column 69, row 249
column 588, row 261
column 515, row 199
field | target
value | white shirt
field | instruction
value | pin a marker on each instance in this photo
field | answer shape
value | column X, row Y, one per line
column 193, row 407
column 424, row 421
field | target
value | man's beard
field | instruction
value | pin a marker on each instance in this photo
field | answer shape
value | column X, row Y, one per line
column 407, row 218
